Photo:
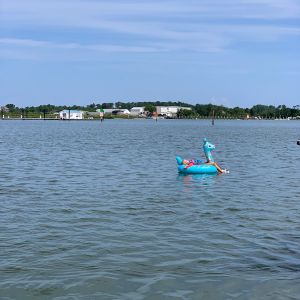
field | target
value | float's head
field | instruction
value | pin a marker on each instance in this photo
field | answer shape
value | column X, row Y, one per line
column 207, row 148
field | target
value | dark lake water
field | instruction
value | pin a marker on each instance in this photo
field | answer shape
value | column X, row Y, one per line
column 92, row 210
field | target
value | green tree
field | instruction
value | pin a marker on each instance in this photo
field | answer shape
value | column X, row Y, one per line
column 150, row 109
column 185, row 114
column 11, row 107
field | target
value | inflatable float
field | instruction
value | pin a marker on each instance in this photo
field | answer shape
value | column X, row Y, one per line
column 199, row 167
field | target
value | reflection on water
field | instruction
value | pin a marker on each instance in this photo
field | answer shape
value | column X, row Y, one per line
column 94, row 210
column 197, row 180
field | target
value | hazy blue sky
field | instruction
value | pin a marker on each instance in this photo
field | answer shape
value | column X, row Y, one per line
column 230, row 52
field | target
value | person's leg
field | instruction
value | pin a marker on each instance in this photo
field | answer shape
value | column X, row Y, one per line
column 216, row 165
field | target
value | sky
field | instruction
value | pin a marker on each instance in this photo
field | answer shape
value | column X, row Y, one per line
column 225, row 52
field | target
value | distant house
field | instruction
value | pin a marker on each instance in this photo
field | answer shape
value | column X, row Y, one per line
column 169, row 111
column 122, row 112
column 136, row 111
column 4, row 109
column 71, row 114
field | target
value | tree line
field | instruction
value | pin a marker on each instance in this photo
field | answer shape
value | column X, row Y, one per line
column 197, row 110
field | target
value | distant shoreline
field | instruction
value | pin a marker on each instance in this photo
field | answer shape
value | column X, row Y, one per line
column 170, row 109
column 153, row 119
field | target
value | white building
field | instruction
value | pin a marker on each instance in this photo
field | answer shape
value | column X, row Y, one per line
column 169, row 111
column 122, row 111
column 71, row 114
column 136, row 111
column 4, row 109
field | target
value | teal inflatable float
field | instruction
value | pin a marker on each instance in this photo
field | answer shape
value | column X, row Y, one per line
column 197, row 166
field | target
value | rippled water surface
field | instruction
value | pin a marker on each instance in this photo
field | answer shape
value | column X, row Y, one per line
column 98, row 211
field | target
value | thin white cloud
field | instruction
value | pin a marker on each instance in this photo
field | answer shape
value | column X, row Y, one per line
column 67, row 11
column 144, row 26
column 39, row 49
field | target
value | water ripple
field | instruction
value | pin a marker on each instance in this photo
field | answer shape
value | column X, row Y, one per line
column 98, row 211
